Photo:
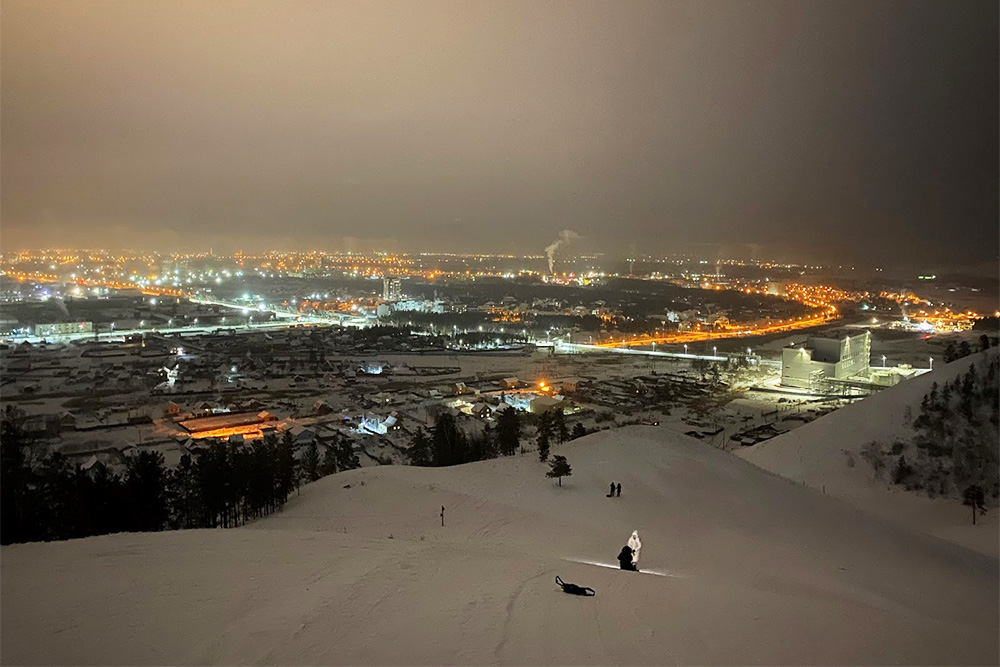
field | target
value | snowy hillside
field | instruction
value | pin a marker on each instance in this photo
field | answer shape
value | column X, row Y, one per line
column 817, row 454
column 754, row 570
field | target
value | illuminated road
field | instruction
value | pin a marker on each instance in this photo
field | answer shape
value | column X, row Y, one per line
column 119, row 334
column 151, row 290
column 704, row 336
column 580, row 347
column 154, row 290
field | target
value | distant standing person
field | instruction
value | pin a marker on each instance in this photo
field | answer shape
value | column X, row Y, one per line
column 635, row 545
column 612, row 494
column 619, row 489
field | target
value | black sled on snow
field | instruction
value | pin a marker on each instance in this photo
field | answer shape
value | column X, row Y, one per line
column 573, row 589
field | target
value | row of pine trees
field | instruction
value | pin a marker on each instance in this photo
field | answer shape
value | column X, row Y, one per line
column 46, row 498
column 446, row 444
column 955, row 352
column 954, row 450
column 225, row 485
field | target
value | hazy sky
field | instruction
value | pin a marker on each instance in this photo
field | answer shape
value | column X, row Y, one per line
column 824, row 130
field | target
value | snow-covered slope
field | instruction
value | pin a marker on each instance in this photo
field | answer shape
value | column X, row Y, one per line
column 817, row 455
column 758, row 571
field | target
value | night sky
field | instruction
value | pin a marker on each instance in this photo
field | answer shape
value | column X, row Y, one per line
column 820, row 131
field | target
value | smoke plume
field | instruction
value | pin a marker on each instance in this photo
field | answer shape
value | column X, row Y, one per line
column 565, row 236
column 61, row 305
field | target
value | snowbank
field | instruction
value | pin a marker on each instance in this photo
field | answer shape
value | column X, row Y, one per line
column 817, row 455
column 760, row 571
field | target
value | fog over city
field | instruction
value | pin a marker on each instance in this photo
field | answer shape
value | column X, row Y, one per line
column 820, row 131
column 499, row 332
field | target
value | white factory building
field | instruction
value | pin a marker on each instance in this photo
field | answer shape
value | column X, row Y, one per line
column 809, row 365
column 61, row 328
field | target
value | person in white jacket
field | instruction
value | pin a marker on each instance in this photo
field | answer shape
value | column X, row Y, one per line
column 636, row 545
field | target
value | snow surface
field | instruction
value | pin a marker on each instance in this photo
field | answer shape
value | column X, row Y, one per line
column 816, row 454
column 761, row 571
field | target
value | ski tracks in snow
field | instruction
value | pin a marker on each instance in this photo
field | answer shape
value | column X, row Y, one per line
column 509, row 614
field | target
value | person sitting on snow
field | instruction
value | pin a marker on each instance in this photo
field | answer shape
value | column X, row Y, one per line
column 625, row 559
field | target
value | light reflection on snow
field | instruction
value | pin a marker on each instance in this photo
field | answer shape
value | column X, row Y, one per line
column 616, row 567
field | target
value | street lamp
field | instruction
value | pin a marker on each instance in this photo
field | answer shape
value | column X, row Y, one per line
column 883, row 361
column 932, row 362
column 715, row 351
column 685, row 348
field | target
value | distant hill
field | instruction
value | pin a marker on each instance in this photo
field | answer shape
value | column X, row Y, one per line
column 358, row 570
column 818, row 453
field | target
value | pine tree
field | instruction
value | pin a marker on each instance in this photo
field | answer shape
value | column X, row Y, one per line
column 559, row 468
column 329, row 465
column 559, row 425
column 477, row 446
column 185, row 508
column 902, row 472
column 543, row 444
column 107, row 501
column 20, row 502
column 310, row 462
column 490, row 443
column 145, row 477
column 545, row 426
column 285, row 478
column 509, row 431
column 53, row 488
column 346, row 458
column 974, row 497
column 578, row 430
column 419, row 453
column 448, row 442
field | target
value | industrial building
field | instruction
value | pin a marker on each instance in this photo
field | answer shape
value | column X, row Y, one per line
column 229, row 423
column 540, row 404
column 391, row 289
column 815, row 363
column 61, row 328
